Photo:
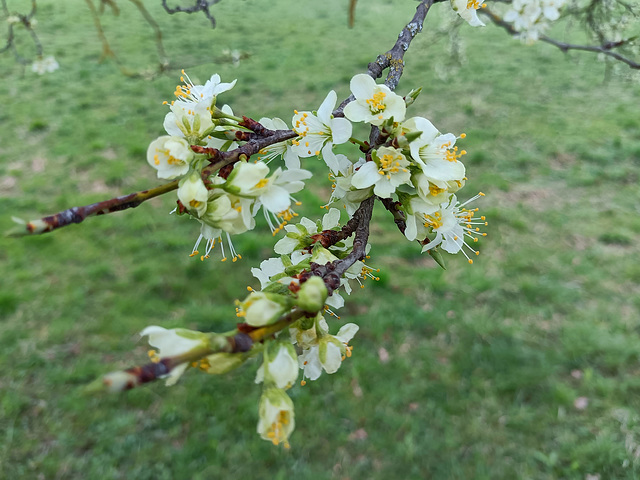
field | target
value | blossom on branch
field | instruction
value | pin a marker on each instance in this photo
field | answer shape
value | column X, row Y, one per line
column 388, row 170
column 172, row 343
column 193, row 194
column 190, row 93
column 170, row 156
column 436, row 154
column 374, row 103
column 319, row 133
column 191, row 121
column 320, row 350
column 531, row 17
column 451, row 222
column 299, row 235
column 285, row 149
column 280, row 366
column 276, row 417
column 467, row 11
column 260, row 309
column 274, row 192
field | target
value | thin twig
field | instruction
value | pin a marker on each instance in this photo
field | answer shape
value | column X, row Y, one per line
column 79, row 214
column 199, row 6
column 164, row 59
column 218, row 159
column 605, row 48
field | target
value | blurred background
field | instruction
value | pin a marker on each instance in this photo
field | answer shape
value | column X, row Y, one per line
column 522, row 365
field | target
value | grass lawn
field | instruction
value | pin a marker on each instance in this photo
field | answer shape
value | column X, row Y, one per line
column 523, row 365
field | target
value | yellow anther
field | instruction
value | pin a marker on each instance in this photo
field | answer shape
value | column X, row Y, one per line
column 376, row 103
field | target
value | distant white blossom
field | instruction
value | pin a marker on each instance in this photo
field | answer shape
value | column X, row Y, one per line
column 532, row 17
column 45, row 65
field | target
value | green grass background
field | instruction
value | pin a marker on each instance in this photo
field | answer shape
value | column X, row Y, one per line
column 471, row 372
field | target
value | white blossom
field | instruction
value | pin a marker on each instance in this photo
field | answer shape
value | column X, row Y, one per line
column 174, row 342
column 193, row 194
column 280, row 364
column 326, row 351
column 274, row 192
column 45, row 65
column 451, row 223
column 373, row 103
column 531, row 17
column 260, row 309
column 387, row 171
column 436, row 154
column 276, row 416
column 192, row 121
column 170, row 156
column 319, row 133
column 285, row 149
column 467, row 11
column 190, row 93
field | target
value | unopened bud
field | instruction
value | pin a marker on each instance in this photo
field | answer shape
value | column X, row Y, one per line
column 112, row 382
column 437, row 256
column 312, row 295
column 412, row 95
column 220, row 363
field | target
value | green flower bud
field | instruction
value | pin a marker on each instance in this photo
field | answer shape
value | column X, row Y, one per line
column 412, row 95
column 437, row 256
column 312, row 295
column 220, row 363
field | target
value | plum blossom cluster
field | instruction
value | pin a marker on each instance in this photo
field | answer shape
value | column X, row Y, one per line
column 223, row 202
column 415, row 164
column 532, row 17
column 407, row 162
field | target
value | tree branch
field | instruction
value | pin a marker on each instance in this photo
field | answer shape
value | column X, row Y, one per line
column 394, row 58
column 199, row 6
column 79, row 214
column 605, row 48
column 218, row 159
